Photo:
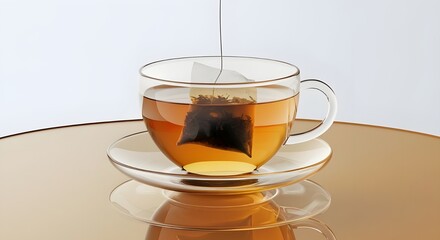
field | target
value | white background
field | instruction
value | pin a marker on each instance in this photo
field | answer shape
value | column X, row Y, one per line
column 68, row 62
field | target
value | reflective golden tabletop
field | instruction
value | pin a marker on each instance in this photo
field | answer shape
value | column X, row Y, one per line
column 55, row 183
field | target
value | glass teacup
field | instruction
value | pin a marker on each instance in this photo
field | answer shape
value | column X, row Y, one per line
column 227, row 120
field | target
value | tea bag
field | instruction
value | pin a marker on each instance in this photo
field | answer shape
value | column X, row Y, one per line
column 221, row 118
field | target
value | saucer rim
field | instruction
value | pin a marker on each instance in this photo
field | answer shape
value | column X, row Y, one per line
column 205, row 177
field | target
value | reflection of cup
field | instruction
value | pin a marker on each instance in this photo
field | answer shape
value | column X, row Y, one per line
column 276, row 233
column 222, row 217
column 225, row 122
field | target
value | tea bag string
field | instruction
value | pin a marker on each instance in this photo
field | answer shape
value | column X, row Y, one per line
column 221, row 45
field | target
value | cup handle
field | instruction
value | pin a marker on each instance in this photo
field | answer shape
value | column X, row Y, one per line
column 325, row 124
column 315, row 225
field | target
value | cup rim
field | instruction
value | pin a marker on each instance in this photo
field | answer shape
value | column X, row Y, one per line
column 296, row 72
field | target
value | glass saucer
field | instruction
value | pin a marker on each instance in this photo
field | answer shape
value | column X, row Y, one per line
column 138, row 157
column 250, row 211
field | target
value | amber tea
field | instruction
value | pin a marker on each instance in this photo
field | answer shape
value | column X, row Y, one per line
column 219, row 135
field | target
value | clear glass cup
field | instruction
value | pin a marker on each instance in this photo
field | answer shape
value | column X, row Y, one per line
column 225, row 116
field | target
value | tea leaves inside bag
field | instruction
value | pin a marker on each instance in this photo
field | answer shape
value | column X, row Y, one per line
column 220, row 122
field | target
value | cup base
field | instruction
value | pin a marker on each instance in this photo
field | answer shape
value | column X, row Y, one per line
column 219, row 168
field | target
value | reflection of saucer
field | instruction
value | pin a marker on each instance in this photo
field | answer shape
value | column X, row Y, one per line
column 138, row 157
column 178, row 210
